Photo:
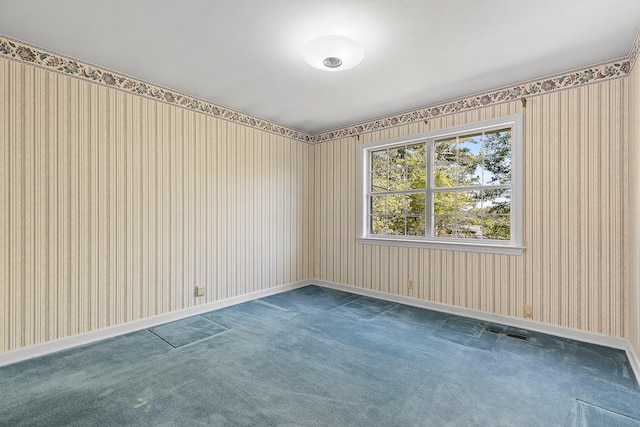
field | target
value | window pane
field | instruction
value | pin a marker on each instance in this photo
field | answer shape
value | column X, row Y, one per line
column 458, row 226
column 457, row 174
column 395, row 204
column 444, row 203
column 446, row 168
column 378, row 224
column 445, row 150
column 470, row 145
column 468, row 227
column 379, row 205
column 443, row 225
column 497, row 157
column 416, row 225
column 481, row 158
column 496, row 201
column 417, row 178
column 497, row 227
column 469, row 170
column 456, row 202
column 379, row 160
column 398, row 178
column 397, row 157
column 396, row 225
column 416, row 155
column 497, row 170
column 470, row 202
column 497, row 143
column 446, row 175
column 379, row 181
column 471, row 174
column 416, row 204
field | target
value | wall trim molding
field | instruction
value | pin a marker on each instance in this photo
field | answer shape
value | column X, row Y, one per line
column 42, row 349
column 23, row 52
column 532, row 325
column 618, row 68
column 66, row 343
column 39, row 57
column 598, row 73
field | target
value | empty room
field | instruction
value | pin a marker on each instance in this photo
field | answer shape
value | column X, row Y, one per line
column 319, row 213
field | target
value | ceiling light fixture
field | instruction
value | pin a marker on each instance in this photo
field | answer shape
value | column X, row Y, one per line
column 333, row 53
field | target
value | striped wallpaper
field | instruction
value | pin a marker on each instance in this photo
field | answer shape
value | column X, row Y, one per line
column 575, row 268
column 114, row 207
column 634, row 208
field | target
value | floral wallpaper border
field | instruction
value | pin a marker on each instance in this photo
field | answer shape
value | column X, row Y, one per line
column 23, row 52
column 597, row 73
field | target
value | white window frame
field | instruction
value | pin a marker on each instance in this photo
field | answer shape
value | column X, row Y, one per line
column 510, row 247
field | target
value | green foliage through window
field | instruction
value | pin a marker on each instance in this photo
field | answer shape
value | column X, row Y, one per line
column 469, row 195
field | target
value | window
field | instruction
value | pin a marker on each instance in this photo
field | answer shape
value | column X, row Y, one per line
column 456, row 188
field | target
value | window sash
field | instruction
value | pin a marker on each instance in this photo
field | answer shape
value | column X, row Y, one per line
column 429, row 139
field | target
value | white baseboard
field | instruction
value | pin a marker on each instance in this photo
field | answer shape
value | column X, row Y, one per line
column 29, row 352
column 37, row 350
column 531, row 325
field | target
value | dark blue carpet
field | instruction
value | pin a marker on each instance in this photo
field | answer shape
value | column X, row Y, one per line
column 320, row 357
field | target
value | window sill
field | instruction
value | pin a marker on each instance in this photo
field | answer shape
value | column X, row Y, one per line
column 446, row 246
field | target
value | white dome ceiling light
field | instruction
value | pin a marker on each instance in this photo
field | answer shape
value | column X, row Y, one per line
column 333, row 53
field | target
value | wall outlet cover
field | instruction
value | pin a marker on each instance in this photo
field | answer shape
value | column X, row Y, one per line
column 528, row 311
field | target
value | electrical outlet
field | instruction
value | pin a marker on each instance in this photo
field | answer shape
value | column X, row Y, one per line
column 528, row 311
column 200, row 291
column 410, row 284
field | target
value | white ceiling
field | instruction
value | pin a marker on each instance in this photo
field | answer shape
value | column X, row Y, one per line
column 246, row 54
